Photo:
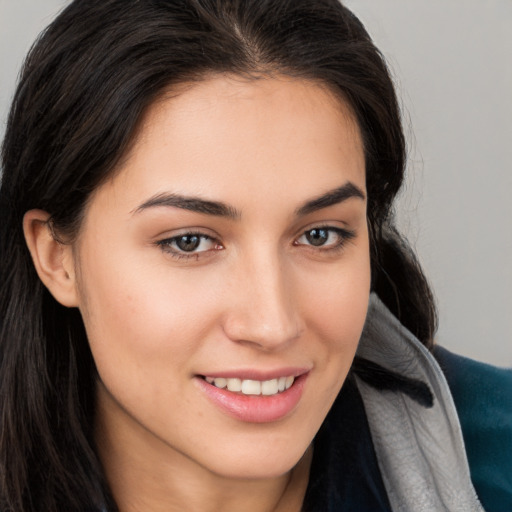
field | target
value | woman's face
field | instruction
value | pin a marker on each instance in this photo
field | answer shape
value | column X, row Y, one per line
column 231, row 249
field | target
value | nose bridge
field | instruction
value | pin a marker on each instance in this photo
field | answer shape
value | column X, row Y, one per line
column 263, row 311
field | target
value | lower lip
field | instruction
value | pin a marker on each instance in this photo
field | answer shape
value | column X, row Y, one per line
column 255, row 408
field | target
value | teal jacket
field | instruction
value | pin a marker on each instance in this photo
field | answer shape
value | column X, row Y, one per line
column 410, row 432
column 483, row 398
column 385, row 417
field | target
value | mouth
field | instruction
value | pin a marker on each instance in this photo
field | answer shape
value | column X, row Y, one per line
column 252, row 387
column 247, row 398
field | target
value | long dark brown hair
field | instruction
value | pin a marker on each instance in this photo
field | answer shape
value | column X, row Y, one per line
column 83, row 89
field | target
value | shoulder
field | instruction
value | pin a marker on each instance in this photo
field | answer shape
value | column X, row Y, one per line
column 483, row 398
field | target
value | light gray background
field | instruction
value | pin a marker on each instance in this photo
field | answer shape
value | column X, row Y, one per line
column 452, row 61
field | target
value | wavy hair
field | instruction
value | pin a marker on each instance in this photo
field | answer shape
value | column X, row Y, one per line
column 83, row 89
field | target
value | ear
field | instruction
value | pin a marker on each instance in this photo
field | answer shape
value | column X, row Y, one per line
column 52, row 259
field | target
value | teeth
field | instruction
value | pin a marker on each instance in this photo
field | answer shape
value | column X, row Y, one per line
column 269, row 387
column 220, row 382
column 234, row 385
column 253, row 387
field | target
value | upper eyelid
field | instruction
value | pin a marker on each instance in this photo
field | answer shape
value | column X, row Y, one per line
column 173, row 238
column 328, row 227
column 169, row 235
column 342, row 231
column 168, row 246
column 319, row 223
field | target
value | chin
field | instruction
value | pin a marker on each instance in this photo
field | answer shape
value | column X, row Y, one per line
column 263, row 460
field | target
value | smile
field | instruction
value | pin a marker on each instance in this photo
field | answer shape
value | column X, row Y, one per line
column 252, row 387
column 245, row 397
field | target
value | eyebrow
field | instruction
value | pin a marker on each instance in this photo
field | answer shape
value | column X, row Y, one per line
column 330, row 198
column 194, row 204
column 220, row 209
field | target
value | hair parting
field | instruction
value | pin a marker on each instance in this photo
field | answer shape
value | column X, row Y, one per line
column 83, row 91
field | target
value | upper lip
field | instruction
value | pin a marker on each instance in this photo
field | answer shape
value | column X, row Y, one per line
column 256, row 374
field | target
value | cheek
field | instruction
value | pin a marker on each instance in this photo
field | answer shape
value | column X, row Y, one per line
column 336, row 308
column 338, row 300
column 139, row 318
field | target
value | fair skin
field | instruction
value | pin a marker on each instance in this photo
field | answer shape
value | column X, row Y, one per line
column 175, row 292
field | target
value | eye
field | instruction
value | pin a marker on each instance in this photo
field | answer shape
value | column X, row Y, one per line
column 188, row 244
column 325, row 237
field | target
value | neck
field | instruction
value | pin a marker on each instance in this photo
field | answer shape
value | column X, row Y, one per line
column 143, row 477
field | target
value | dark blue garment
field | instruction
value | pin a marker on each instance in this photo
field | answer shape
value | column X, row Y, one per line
column 345, row 473
column 483, row 399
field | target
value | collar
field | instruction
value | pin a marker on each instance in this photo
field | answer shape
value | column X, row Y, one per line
column 419, row 446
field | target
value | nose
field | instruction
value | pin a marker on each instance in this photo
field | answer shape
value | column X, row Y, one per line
column 263, row 305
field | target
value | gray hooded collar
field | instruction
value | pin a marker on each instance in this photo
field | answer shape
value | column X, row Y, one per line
column 419, row 449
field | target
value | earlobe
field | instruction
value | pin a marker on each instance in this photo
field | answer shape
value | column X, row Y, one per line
column 52, row 259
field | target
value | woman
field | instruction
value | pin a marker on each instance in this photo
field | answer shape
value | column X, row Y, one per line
column 197, row 239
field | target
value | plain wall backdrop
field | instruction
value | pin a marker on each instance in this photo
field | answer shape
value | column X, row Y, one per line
column 452, row 62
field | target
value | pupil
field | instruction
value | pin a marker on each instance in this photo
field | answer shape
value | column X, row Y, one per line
column 188, row 242
column 317, row 236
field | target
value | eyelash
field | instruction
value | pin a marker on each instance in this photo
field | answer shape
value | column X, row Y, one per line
column 344, row 235
column 167, row 245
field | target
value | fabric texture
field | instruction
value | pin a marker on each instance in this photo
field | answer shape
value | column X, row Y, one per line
column 393, row 442
column 420, row 450
column 483, row 398
column 344, row 472
column 393, row 439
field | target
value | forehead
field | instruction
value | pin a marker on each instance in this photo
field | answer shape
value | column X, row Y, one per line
column 227, row 134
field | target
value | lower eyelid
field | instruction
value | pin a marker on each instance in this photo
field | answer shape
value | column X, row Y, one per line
column 344, row 235
column 168, row 245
